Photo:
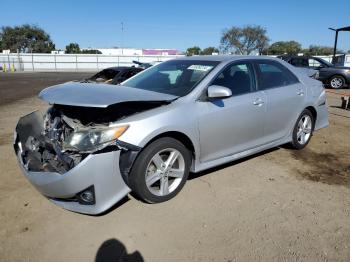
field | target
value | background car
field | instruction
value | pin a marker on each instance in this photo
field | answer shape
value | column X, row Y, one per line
column 334, row 76
column 113, row 75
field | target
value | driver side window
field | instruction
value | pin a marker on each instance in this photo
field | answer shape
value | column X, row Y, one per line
column 237, row 77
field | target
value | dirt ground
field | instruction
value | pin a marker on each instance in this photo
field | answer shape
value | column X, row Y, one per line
column 280, row 205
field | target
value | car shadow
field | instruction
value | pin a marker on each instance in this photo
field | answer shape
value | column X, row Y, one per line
column 113, row 250
column 235, row 162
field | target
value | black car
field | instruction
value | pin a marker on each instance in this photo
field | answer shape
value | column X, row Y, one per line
column 113, row 75
column 334, row 76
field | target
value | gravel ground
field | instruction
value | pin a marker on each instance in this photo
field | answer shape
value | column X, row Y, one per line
column 280, row 205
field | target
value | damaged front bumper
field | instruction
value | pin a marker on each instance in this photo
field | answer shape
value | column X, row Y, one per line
column 98, row 174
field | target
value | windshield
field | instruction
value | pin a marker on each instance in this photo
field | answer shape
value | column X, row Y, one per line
column 175, row 77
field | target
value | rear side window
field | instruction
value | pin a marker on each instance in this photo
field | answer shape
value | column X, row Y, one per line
column 272, row 74
column 237, row 77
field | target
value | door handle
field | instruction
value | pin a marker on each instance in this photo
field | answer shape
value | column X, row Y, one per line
column 258, row 102
column 300, row 92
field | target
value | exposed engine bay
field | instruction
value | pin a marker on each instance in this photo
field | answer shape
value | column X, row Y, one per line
column 41, row 139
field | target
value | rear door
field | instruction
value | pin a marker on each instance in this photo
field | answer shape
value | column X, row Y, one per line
column 285, row 97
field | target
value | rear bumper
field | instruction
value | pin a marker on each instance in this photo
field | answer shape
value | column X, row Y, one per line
column 322, row 112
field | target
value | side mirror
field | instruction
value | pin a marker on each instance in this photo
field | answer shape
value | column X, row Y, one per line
column 215, row 91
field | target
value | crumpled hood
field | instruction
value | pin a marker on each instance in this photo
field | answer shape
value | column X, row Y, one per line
column 98, row 95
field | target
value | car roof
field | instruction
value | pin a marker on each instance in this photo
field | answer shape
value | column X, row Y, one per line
column 223, row 58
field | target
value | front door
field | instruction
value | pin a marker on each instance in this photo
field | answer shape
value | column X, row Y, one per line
column 235, row 124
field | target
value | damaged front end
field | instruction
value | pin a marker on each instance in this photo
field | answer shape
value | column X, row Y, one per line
column 60, row 139
column 72, row 153
column 38, row 143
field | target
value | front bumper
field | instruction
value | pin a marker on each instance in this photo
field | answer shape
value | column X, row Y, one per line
column 100, row 171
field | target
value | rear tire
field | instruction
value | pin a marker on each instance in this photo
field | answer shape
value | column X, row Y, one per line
column 160, row 171
column 303, row 130
column 337, row 82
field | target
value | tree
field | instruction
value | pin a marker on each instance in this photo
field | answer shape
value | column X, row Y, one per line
column 72, row 48
column 284, row 47
column 26, row 38
column 263, row 45
column 209, row 50
column 195, row 50
column 244, row 40
column 318, row 50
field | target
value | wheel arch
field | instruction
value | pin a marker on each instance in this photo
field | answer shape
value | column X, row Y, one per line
column 337, row 74
column 183, row 138
column 128, row 158
column 313, row 112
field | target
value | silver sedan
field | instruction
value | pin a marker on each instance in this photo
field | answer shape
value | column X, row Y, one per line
column 97, row 143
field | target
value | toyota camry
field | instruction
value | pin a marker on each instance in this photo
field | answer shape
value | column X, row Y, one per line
column 97, row 143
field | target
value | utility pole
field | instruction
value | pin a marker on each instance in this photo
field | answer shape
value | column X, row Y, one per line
column 122, row 27
column 335, row 43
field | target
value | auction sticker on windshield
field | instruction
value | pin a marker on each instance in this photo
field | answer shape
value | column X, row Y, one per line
column 204, row 68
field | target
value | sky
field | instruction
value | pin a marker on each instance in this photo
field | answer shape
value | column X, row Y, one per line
column 178, row 24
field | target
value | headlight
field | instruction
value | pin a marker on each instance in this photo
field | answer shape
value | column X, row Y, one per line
column 93, row 139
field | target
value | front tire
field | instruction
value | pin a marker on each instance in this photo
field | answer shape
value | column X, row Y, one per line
column 160, row 171
column 303, row 130
column 337, row 82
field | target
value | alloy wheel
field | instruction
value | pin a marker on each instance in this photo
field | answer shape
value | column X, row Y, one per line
column 336, row 82
column 304, row 129
column 165, row 171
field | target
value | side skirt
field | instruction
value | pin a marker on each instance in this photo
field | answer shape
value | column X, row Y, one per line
column 206, row 165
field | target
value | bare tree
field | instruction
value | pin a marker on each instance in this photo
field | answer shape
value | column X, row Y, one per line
column 245, row 40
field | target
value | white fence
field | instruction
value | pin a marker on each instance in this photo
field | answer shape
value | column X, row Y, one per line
column 71, row 62
column 83, row 62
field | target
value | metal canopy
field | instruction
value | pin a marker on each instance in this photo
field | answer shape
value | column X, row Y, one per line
column 344, row 29
column 347, row 28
